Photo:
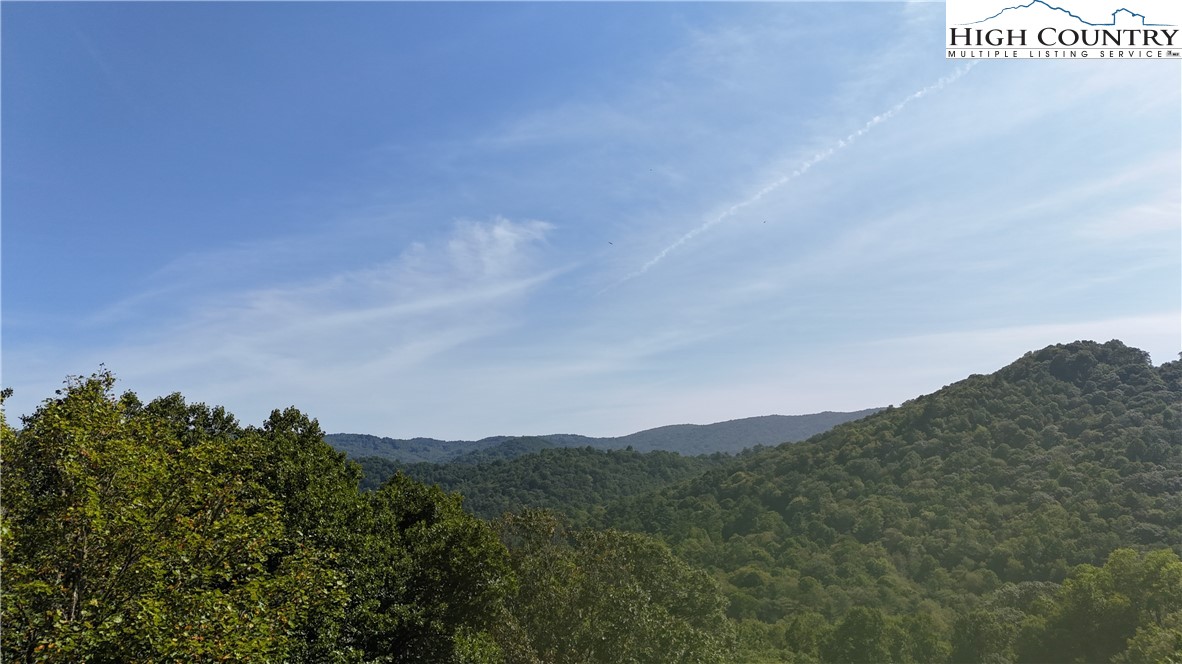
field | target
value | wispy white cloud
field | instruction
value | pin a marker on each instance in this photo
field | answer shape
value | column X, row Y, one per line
column 859, row 225
column 249, row 346
column 801, row 169
column 1153, row 220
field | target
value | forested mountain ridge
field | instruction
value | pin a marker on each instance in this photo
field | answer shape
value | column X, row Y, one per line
column 990, row 486
column 575, row 481
column 408, row 450
column 728, row 437
column 688, row 439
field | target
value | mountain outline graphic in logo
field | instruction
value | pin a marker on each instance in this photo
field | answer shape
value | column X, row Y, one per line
column 1132, row 14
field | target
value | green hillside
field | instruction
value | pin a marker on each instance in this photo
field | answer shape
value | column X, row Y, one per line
column 574, row 481
column 731, row 437
column 995, row 487
column 411, row 450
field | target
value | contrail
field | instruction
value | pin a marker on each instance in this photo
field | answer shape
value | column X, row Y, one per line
column 802, row 169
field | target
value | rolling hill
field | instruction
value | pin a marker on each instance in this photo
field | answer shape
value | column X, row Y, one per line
column 980, row 504
column 688, row 439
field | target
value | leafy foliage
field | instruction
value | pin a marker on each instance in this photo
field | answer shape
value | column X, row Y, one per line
column 924, row 510
column 133, row 537
column 1098, row 610
column 609, row 596
column 168, row 532
column 428, row 577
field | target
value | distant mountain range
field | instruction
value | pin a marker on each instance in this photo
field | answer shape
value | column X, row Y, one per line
column 688, row 439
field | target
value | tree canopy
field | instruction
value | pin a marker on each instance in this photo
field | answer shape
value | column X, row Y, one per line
column 1032, row 515
column 168, row 532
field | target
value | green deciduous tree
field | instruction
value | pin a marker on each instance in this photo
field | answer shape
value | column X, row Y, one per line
column 864, row 635
column 428, row 578
column 985, row 636
column 610, row 596
column 1099, row 609
column 1155, row 643
column 132, row 536
column 166, row 532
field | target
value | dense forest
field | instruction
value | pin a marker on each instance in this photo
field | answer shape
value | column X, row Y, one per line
column 575, row 481
column 1032, row 515
column 977, row 516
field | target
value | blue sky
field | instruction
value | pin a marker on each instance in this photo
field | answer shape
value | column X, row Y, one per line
column 458, row 220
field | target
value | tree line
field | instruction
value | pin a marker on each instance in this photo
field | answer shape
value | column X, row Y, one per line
column 168, row 532
column 1031, row 515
